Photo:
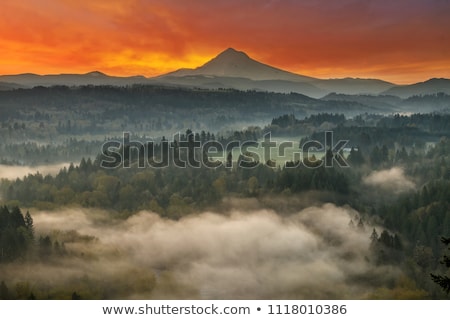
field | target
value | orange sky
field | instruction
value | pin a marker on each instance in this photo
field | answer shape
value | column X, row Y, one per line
column 399, row 41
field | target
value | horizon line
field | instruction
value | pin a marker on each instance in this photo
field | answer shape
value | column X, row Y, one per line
column 131, row 75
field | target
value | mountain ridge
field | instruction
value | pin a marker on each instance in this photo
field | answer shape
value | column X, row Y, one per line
column 430, row 86
column 236, row 70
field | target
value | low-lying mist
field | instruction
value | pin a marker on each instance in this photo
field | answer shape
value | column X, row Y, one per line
column 14, row 172
column 391, row 180
column 242, row 254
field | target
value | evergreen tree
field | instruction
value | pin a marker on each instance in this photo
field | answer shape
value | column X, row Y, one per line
column 386, row 239
column 374, row 237
column 442, row 280
column 355, row 157
column 45, row 246
column 14, row 236
column 351, row 224
column 361, row 226
column 29, row 223
column 375, row 156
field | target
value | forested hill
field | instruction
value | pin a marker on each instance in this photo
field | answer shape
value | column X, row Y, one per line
column 156, row 98
column 139, row 98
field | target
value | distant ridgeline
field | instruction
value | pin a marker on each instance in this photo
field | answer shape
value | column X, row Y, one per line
column 47, row 113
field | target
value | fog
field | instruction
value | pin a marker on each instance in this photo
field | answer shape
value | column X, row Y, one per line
column 251, row 254
column 14, row 172
column 392, row 180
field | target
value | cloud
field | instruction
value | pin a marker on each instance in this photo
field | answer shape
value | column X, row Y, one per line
column 240, row 254
column 332, row 39
column 393, row 180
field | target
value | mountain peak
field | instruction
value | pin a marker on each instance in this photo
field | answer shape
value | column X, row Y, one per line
column 95, row 74
column 231, row 52
column 237, row 64
column 230, row 49
column 228, row 61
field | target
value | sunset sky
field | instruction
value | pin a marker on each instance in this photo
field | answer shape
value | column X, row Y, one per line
column 398, row 41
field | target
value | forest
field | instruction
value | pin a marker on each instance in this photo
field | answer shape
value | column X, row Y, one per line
column 248, row 228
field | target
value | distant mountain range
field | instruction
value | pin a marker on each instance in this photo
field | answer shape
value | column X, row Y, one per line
column 91, row 78
column 233, row 69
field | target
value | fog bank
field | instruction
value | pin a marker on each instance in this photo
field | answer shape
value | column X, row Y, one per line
column 244, row 254
column 14, row 172
column 392, row 180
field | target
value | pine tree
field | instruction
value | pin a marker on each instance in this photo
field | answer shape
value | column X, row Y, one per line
column 351, row 224
column 355, row 157
column 45, row 246
column 374, row 237
column 443, row 280
column 361, row 226
column 29, row 223
column 375, row 156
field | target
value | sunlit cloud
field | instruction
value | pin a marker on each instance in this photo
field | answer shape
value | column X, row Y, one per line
column 327, row 39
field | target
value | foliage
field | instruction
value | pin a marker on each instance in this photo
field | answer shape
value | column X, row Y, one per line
column 442, row 280
column 16, row 233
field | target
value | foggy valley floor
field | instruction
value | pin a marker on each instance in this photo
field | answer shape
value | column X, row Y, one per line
column 240, row 254
column 284, row 227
